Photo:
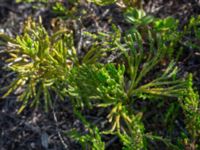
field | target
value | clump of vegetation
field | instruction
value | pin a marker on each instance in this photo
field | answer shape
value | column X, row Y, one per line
column 41, row 62
column 190, row 105
column 48, row 66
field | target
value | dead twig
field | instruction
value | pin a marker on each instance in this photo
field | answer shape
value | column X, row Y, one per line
column 57, row 129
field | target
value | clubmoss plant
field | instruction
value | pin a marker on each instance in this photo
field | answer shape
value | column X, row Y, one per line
column 115, row 72
column 91, row 139
column 192, row 33
column 191, row 108
column 41, row 62
column 116, row 86
column 133, row 138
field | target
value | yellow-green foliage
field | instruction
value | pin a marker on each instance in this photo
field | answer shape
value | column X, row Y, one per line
column 191, row 107
column 41, row 62
column 116, row 71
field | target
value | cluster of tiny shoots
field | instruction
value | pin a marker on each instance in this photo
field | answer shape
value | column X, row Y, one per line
column 47, row 66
